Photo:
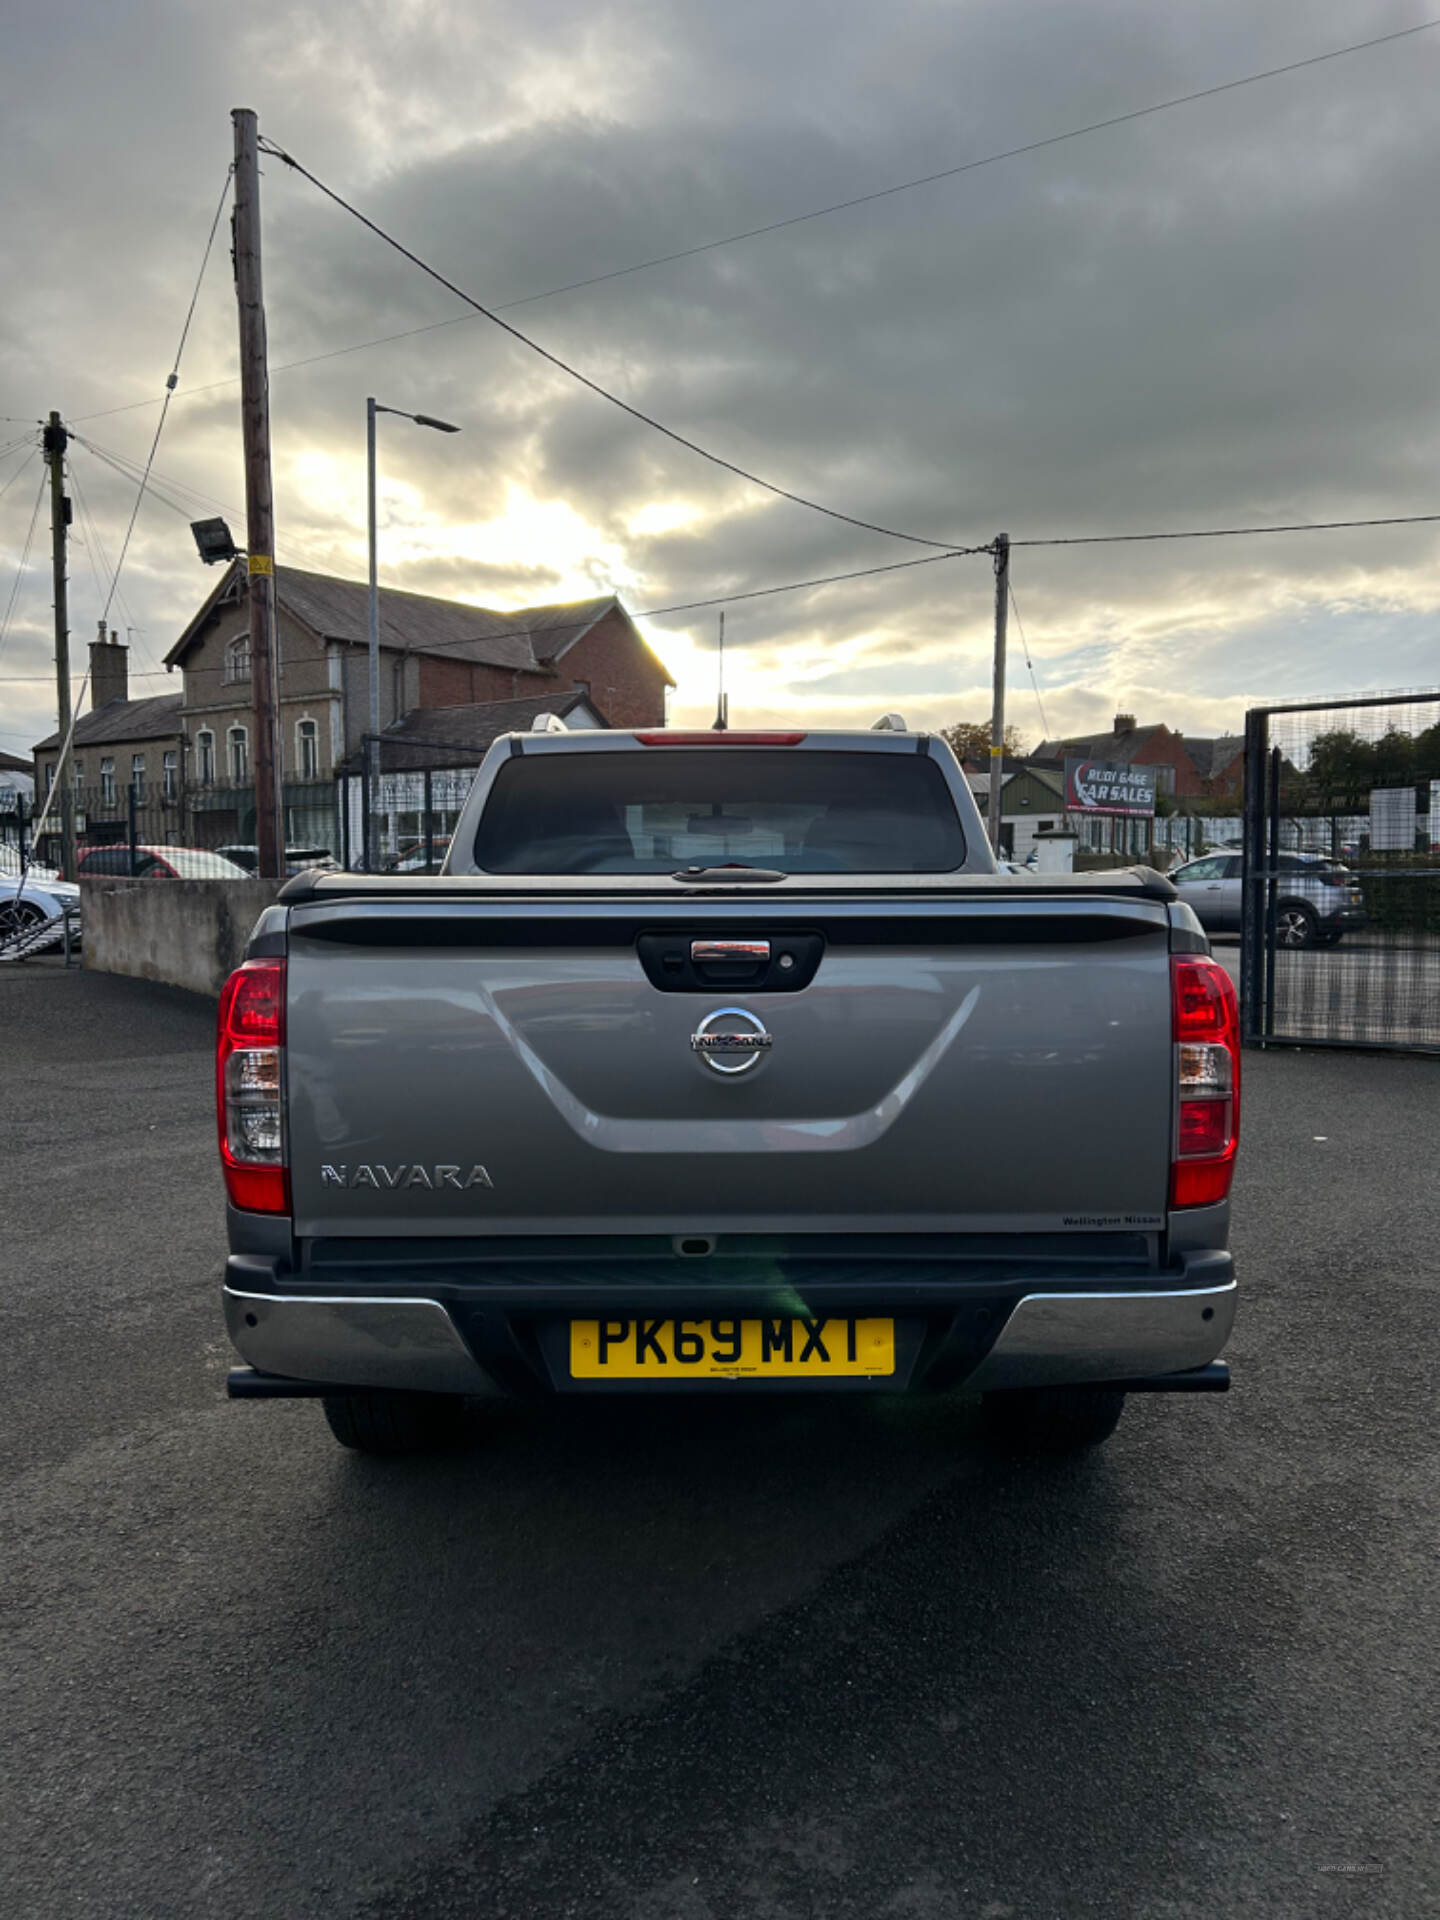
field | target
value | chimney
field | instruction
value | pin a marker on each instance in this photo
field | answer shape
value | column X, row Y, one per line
column 1124, row 723
column 109, row 670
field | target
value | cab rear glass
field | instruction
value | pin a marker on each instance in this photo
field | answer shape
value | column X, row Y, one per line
column 655, row 812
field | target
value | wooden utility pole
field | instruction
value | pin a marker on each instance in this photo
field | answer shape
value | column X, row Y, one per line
column 56, row 440
column 997, row 710
column 259, row 498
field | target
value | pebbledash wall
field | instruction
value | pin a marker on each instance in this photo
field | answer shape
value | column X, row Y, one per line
column 186, row 933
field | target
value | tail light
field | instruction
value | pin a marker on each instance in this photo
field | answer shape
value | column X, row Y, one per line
column 1207, row 1077
column 250, row 1087
column 720, row 738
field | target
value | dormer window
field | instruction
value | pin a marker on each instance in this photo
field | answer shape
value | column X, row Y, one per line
column 237, row 659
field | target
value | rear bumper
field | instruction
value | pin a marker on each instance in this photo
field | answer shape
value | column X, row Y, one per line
column 963, row 1335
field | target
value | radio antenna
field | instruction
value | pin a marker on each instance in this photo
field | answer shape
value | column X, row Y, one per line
column 722, row 709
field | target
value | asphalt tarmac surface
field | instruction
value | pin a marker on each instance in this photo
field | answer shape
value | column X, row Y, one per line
column 705, row 1661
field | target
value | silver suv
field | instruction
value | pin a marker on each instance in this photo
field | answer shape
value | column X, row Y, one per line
column 1317, row 899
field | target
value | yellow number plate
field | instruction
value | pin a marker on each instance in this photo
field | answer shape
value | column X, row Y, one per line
column 730, row 1349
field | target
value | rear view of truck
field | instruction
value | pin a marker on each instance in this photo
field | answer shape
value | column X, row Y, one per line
column 727, row 1063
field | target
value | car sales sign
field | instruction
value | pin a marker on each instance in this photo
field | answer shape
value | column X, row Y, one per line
column 1099, row 786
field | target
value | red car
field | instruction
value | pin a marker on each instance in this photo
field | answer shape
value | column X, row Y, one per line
column 159, row 863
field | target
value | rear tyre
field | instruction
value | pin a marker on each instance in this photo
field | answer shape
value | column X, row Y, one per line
column 1295, row 926
column 1051, row 1419
column 392, row 1423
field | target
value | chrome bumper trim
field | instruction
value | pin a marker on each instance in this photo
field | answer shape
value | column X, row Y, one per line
column 410, row 1344
column 1050, row 1339
column 1069, row 1339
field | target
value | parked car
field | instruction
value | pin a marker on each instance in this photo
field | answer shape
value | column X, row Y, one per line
column 1317, row 900
column 28, row 902
column 159, row 863
column 412, row 859
column 297, row 859
column 718, row 1063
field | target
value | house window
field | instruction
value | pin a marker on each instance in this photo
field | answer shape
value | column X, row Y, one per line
column 107, row 783
column 239, row 755
column 307, row 753
column 169, row 773
column 49, row 775
column 237, row 658
column 77, row 772
column 205, row 754
column 137, row 777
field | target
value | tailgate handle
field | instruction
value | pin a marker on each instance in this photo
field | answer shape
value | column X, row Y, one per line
column 701, row 950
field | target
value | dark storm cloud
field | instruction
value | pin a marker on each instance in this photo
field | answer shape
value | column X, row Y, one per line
column 1218, row 316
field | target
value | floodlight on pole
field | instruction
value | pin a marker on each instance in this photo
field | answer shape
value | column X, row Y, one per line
column 214, row 541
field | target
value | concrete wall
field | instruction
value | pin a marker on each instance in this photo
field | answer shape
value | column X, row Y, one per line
column 187, row 933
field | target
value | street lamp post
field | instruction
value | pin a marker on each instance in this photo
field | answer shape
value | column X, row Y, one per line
column 372, row 751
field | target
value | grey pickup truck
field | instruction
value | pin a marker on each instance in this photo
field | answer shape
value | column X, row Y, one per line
column 726, row 1063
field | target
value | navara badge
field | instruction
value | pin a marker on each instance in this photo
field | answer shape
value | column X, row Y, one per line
column 731, row 1041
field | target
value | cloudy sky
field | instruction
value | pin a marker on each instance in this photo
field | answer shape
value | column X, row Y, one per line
column 1222, row 315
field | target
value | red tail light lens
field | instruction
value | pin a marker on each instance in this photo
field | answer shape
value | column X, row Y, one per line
column 721, row 738
column 1206, row 1025
column 250, row 1087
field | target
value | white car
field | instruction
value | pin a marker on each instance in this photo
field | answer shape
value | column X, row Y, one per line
column 42, row 896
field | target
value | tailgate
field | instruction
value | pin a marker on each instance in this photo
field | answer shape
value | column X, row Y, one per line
column 472, row 1068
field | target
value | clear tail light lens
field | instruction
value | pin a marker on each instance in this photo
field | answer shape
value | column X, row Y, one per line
column 1207, row 1080
column 250, row 1087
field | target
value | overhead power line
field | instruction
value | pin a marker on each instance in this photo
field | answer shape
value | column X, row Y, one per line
column 1029, row 663
column 821, row 213
column 170, row 385
column 903, row 566
column 24, row 560
column 17, row 473
column 584, row 380
column 655, row 613
column 1228, row 533
column 172, row 381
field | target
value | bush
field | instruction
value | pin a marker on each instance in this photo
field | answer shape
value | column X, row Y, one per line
column 1402, row 891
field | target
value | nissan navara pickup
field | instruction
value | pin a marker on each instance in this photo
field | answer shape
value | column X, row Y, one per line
column 726, row 1063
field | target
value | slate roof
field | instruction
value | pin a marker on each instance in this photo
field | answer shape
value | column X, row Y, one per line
column 1119, row 747
column 1046, row 777
column 119, row 721
column 528, row 640
column 438, row 737
column 1210, row 757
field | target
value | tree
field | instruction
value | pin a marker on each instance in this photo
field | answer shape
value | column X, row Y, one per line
column 1342, row 769
column 971, row 740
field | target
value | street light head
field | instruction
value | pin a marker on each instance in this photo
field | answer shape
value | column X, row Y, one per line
column 440, row 426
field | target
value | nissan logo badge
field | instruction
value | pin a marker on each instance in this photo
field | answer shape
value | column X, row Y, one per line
column 730, row 1040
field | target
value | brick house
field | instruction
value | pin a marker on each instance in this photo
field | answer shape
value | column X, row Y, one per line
column 428, row 760
column 433, row 653
column 121, row 745
column 1186, row 769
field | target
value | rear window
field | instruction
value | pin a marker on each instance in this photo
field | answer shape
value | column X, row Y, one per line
column 670, row 807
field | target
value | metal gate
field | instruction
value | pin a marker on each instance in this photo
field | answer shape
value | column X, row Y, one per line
column 1340, row 898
